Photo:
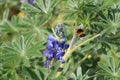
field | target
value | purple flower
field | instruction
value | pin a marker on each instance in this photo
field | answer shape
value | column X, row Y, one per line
column 55, row 49
column 32, row 2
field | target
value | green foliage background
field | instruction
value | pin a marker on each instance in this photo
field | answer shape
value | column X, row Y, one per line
column 22, row 40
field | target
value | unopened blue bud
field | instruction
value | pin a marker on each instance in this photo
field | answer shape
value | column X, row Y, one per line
column 60, row 32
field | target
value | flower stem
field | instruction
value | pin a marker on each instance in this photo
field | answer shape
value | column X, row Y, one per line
column 70, row 50
column 54, row 33
column 66, row 54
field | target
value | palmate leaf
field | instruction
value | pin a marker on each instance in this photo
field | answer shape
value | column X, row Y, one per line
column 82, row 10
column 79, row 75
column 6, row 25
column 109, row 43
column 11, row 73
column 44, row 72
column 47, row 5
column 41, row 73
column 11, row 26
column 30, row 9
column 10, row 60
column 109, row 19
column 70, row 9
column 108, row 3
column 54, row 3
column 34, row 74
column 11, row 3
column 110, row 67
column 22, row 50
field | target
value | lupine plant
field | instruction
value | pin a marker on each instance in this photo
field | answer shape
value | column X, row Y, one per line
column 59, row 40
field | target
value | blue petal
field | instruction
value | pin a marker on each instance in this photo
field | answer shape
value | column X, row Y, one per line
column 49, row 47
column 66, row 46
column 58, row 56
column 50, row 43
column 51, row 38
column 50, row 58
column 62, row 60
column 45, row 53
column 51, row 52
column 62, row 53
column 55, row 44
column 62, row 44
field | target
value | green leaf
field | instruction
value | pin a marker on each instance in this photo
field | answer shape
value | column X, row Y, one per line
column 109, row 67
column 21, row 43
column 29, row 41
column 102, row 72
column 87, row 47
column 108, row 3
column 30, row 9
column 79, row 71
column 44, row 73
column 53, row 72
column 48, row 5
column 26, row 61
column 9, row 60
column 73, row 76
column 34, row 74
column 54, row 2
column 42, row 5
column 5, row 15
column 111, row 63
column 105, row 67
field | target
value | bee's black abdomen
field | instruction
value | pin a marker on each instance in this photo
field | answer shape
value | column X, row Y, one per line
column 82, row 35
column 79, row 31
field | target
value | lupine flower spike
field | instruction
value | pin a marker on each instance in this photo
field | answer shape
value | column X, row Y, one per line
column 56, row 48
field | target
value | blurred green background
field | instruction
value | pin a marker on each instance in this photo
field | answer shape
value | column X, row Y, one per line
column 24, row 29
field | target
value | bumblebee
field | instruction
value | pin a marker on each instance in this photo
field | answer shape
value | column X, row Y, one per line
column 80, row 33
